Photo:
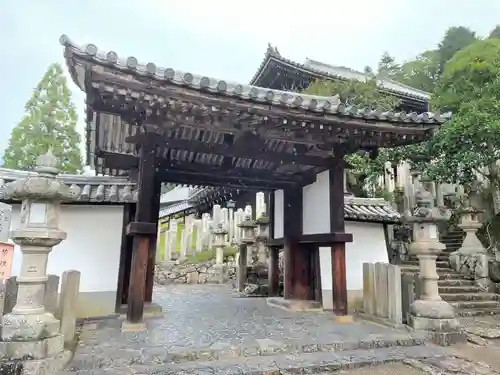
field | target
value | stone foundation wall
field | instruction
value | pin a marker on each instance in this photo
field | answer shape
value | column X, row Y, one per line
column 203, row 273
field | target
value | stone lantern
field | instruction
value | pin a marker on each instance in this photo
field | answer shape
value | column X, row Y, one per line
column 262, row 236
column 430, row 311
column 472, row 258
column 38, row 232
column 219, row 234
column 247, row 239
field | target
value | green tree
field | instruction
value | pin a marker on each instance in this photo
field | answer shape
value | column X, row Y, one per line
column 49, row 122
column 470, row 142
column 365, row 169
column 387, row 67
column 422, row 73
column 454, row 40
column 495, row 33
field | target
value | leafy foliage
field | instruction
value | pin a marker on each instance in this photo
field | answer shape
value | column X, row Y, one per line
column 387, row 67
column 495, row 33
column 470, row 87
column 49, row 122
column 357, row 93
column 454, row 40
column 421, row 73
column 364, row 172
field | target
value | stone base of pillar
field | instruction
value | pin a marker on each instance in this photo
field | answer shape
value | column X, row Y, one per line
column 438, row 318
column 219, row 274
column 29, row 327
column 46, row 356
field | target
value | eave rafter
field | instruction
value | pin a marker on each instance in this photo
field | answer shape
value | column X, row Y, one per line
column 242, row 148
column 176, row 106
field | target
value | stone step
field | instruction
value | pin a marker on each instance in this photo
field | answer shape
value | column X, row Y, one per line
column 443, row 257
column 456, row 282
column 305, row 363
column 447, row 272
column 439, row 264
column 477, row 312
column 465, row 297
column 269, row 347
column 457, row 289
column 482, row 305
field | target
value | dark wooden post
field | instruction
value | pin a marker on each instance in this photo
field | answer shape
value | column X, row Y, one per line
column 155, row 210
column 294, row 277
column 142, row 230
column 125, row 258
column 339, row 282
column 274, row 271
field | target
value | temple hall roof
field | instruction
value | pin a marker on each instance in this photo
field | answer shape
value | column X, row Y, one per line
column 94, row 189
column 320, row 69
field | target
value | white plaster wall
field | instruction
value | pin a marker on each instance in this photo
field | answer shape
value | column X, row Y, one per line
column 316, row 206
column 368, row 246
column 92, row 246
column 278, row 213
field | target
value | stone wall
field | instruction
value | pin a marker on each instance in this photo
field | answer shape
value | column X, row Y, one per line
column 203, row 273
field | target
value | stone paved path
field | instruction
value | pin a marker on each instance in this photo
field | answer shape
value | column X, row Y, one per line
column 207, row 330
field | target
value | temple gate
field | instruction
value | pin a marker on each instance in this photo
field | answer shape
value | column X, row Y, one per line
column 163, row 125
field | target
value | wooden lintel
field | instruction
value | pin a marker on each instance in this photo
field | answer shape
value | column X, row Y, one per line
column 320, row 239
column 194, row 178
column 229, row 150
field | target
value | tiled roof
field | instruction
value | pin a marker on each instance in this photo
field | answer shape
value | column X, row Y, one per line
column 174, row 209
column 337, row 72
column 308, row 103
column 178, row 193
column 94, row 189
column 369, row 209
column 359, row 209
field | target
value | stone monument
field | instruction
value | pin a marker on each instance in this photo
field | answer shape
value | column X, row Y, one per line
column 429, row 312
column 32, row 343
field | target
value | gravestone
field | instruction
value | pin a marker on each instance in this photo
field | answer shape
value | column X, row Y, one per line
column 369, row 288
column 394, row 293
column 381, row 298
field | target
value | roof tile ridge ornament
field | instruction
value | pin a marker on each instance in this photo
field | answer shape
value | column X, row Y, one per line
column 272, row 51
column 45, row 183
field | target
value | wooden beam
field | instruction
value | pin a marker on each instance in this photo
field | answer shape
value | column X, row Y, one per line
column 194, row 178
column 229, row 150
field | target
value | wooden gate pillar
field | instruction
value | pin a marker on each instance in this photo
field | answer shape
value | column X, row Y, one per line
column 142, row 230
column 339, row 278
column 153, row 241
column 297, row 258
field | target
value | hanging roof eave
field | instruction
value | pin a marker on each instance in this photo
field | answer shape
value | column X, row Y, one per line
column 325, row 109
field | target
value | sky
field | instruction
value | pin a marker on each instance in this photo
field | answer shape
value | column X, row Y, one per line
column 224, row 39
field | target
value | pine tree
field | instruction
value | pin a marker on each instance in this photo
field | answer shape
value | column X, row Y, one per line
column 49, row 122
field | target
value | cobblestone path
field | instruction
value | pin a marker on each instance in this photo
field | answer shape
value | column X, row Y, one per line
column 208, row 330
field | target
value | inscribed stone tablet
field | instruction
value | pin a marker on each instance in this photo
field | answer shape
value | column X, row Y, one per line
column 5, row 221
